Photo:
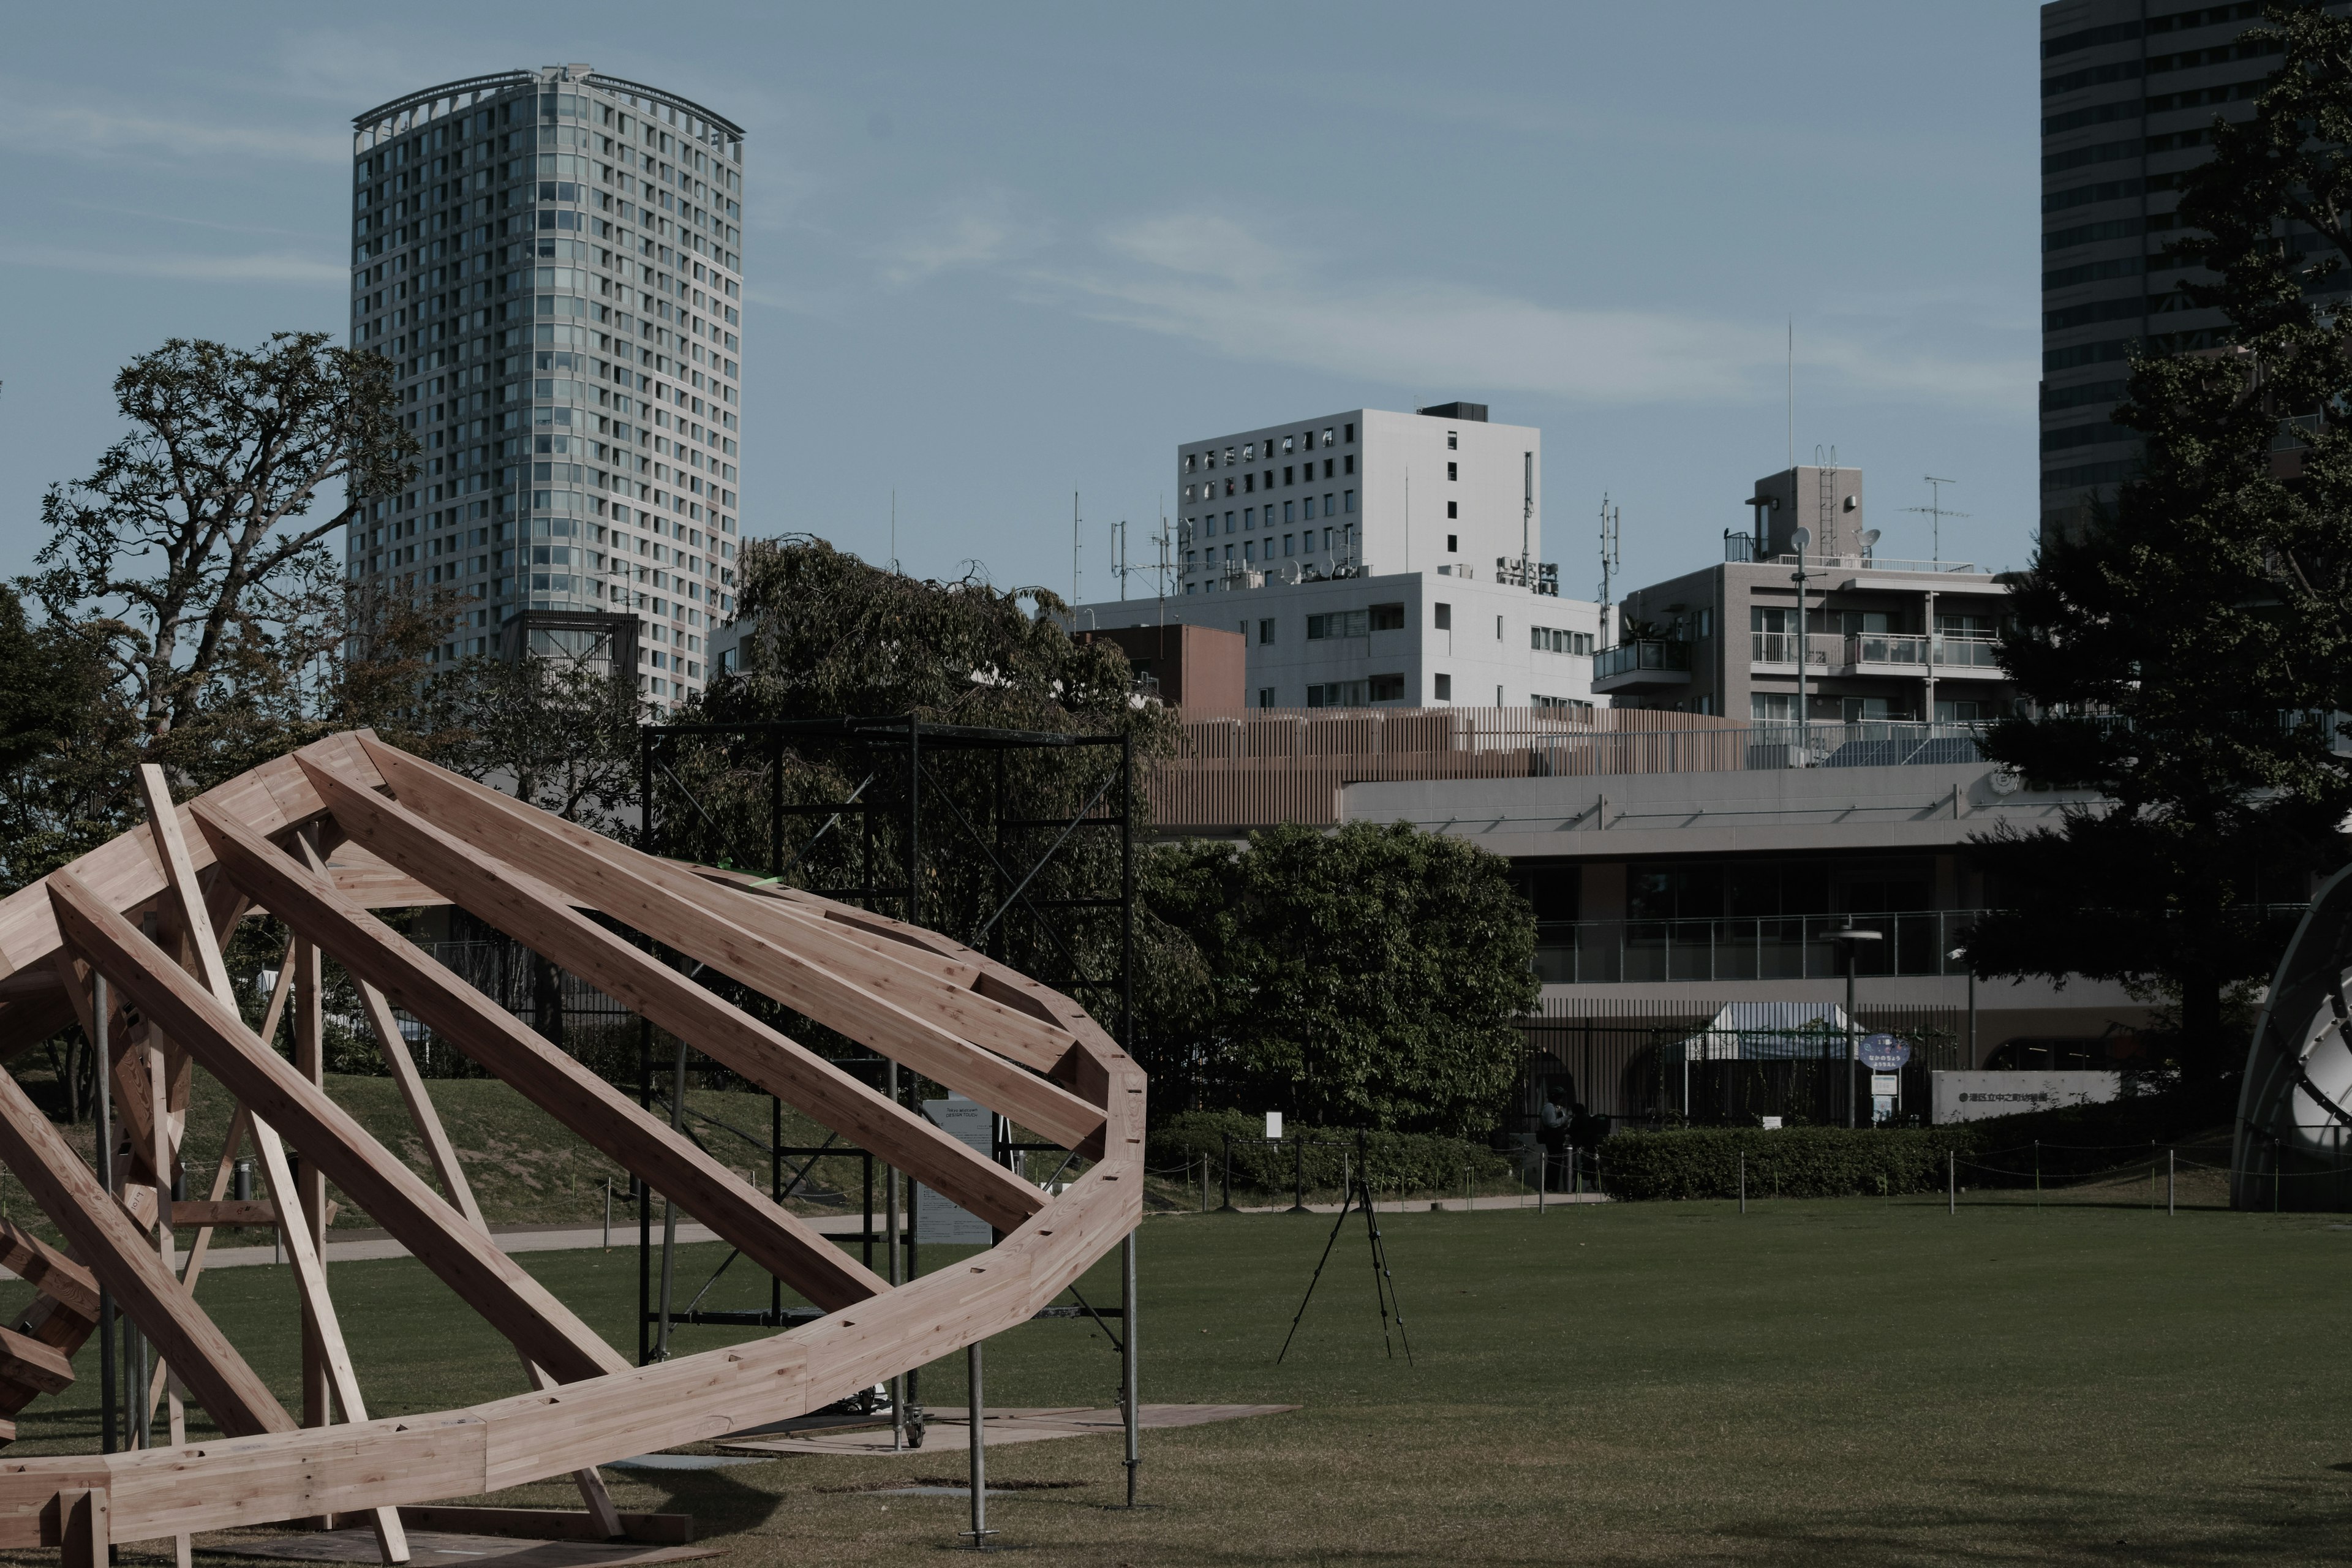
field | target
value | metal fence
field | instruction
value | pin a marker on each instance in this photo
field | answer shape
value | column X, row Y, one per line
column 1653, row 1065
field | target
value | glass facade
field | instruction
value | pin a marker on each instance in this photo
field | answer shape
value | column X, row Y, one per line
column 552, row 261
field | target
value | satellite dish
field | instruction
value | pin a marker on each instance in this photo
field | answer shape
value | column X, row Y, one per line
column 1802, row 537
column 1869, row 537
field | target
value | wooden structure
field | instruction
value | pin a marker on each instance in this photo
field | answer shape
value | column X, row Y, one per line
column 129, row 939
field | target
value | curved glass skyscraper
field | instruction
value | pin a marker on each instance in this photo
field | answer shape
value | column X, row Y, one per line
column 552, row 260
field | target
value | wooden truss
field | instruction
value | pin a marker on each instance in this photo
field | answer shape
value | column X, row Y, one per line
column 321, row 839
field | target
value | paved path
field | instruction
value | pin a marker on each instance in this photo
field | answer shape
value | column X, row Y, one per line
column 352, row 1246
column 1450, row 1206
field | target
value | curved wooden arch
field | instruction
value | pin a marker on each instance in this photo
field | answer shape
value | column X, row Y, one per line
column 397, row 832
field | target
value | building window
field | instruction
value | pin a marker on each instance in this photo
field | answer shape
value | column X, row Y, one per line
column 1249, row 484
column 1345, row 693
column 1453, row 543
column 1498, row 628
column 1249, row 517
column 1309, row 504
column 1453, row 470
column 1452, row 510
column 1387, row 617
column 1444, row 617
column 1350, row 501
column 1285, row 544
column 1351, row 436
column 1266, row 635
column 1452, row 442
column 1348, row 464
column 1339, row 624
column 1265, row 696
column 1568, row 703
column 1327, row 437
column 1388, row 687
column 1773, row 707
column 1445, row 689
column 1289, row 512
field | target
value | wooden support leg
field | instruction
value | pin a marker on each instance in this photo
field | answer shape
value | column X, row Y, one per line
column 82, row 1538
column 594, row 1494
column 326, row 1363
column 163, row 1158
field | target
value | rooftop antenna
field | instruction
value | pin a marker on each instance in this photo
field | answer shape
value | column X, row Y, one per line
column 1161, row 539
column 1609, row 520
column 1792, row 392
column 894, row 531
column 1937, row 512
column 1076, row 548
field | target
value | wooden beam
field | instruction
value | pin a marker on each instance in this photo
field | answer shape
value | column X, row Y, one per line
column 844, row 986
column 514, row 1304
column 29, row 1361
column 545, row 922
column 125, row 1261
column 639, row 1141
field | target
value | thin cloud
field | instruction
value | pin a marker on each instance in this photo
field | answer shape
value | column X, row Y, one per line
column 974, row 230
column 256, row 268
column 1212, row 281
column 88, row 130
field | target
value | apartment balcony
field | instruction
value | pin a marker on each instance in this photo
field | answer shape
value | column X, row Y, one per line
column 1946, row 658
column 1640, row 669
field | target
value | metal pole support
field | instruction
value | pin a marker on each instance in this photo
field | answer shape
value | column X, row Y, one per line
column 1129, row 1395
column 978, row 1413
column 1952, row 1181
column 1743, row 1181
column 2169, row 1168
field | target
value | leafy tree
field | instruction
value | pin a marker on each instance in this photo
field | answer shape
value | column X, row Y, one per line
column 199, row 535
column 2186, row 650
column 1366, row 977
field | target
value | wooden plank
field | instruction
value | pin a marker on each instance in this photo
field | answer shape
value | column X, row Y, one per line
column 259, row 1212
column 48, row 1271
column 844, row 990
column 29, row 1362
column 615, row 1125
column 514, row 1304
column 123, row 872
column 85, row 1535
column 543, row 922
column 110, row 1242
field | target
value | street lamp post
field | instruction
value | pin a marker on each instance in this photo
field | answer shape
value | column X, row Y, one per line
column 1850, row 936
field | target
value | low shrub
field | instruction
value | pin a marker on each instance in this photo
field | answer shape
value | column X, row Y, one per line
column 1792, row 1161
column 1397, row 1162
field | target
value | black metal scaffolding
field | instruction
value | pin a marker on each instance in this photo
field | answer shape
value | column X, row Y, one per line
column 992, row 836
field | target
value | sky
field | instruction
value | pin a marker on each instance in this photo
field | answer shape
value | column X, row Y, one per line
column 998, row 255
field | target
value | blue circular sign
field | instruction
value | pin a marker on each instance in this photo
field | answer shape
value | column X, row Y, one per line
column 1883, row 1053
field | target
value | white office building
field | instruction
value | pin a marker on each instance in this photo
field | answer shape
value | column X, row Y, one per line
column 551, row 261
column 1375, row 558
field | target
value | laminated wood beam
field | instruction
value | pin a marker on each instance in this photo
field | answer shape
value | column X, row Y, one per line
column 843, row 985
column 514, row 1303
column 29, row 1362
column 636, row 1139
column 124, row 1259
column 50, row 1271
column 525, row 910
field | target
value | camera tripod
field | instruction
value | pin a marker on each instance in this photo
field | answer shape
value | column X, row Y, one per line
column 1383, row 1282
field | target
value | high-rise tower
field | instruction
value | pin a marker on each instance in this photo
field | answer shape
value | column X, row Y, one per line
column 2129, row 92
column 552, row 261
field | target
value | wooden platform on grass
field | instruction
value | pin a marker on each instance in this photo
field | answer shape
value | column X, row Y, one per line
column 437, row 1549
column 946, row 1433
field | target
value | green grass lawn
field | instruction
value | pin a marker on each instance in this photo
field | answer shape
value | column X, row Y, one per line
column 1833, row 1382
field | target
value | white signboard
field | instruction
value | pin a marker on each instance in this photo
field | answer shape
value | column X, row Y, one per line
column 1973, row 1096
column 938, row 1222
column 1273, row 1126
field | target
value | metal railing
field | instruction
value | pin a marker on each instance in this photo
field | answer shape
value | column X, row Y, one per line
column 1764, row 947
column 1829, row 649
column 1290, row 764
column 1648, row 654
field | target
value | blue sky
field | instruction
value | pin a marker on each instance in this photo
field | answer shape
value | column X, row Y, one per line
column 998, row 254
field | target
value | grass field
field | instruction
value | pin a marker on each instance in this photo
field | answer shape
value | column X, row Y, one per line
column 1832, row 1381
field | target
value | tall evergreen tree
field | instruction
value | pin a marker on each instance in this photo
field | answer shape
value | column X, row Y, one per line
column 2188, row 649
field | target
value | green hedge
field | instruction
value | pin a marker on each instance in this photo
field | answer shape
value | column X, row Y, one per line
column 1399, row 1161
column 1794, row 1162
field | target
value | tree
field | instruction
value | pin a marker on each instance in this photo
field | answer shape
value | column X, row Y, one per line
column 197, row 537
column 1367, row 977
column 2187, row 651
